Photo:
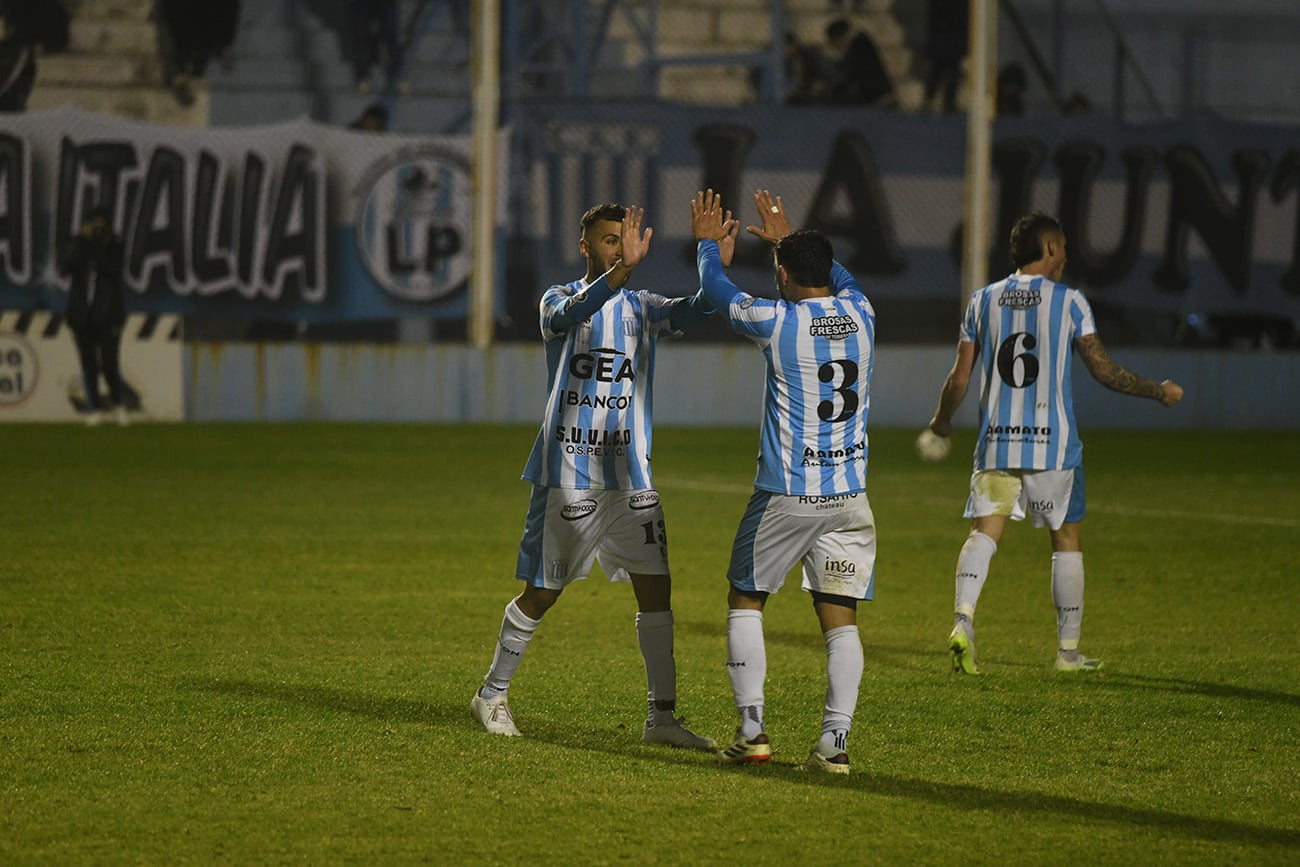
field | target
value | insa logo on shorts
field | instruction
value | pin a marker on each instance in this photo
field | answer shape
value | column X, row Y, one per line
column 840, row 568
column 643, row 501
column 576, row 511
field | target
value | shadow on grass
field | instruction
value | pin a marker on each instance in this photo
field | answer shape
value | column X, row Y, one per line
column 968, row 797
column 334, row 699
column 627, row 745
column 953, row 795
column 1211, row 690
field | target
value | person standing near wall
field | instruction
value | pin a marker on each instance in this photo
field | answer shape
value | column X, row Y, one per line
column 1028, row 455
column 96, row 310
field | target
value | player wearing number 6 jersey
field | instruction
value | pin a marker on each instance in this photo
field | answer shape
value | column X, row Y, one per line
column 593, row 497
column 810, row 503
column 1022, row 332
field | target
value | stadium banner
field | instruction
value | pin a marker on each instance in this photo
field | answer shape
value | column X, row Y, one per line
column 1179, row 232
column 299, row 221
column 40, row 376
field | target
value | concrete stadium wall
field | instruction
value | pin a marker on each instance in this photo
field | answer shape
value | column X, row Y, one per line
column 695, row 385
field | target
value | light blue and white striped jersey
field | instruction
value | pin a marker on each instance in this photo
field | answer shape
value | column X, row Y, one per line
column 1024, row 330
column 819, row 353
column 600, row 357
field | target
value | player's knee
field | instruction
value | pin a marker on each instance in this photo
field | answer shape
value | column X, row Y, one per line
column 834, row 599
column 536, row 601
column 738, row 598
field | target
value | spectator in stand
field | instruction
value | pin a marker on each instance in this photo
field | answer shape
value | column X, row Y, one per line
column 947, row 35
column 1078, row 103
column 190, row 34
column 27, row 27
column 373, row 119
column 375, row 32
column 17, row 67
column 804, row 76
column 1012, row 83
column 856, row 74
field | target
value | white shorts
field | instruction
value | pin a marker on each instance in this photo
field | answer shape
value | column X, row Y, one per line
column 566, row 530
column 1050, row 497
column 834, row 538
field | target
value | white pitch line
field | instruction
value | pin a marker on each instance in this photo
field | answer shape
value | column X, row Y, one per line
column 1137, row 511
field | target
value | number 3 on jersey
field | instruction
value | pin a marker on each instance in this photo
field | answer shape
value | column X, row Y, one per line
column 844, row 394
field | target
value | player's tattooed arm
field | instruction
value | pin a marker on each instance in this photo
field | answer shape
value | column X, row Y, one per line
column 1116, row 377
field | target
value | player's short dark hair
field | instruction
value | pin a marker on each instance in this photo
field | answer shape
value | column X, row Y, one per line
column 806, row 255
column 1027, row 237
column 603, row 211
column 837, row 29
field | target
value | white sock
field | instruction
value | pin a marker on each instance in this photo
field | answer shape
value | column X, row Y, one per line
column 517, row 630
column 1067, row 594
column 654, row 634
column 972, row 569
column 843, row 678
column 747, row 667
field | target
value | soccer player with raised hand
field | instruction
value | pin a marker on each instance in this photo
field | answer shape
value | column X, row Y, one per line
column 1022, row 331
column 593, row 498
column 809, row 503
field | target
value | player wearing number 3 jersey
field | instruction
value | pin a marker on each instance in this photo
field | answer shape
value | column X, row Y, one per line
column 809, row 504
column 1022, row 332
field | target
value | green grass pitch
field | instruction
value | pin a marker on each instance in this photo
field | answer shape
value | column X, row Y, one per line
column 251, row 644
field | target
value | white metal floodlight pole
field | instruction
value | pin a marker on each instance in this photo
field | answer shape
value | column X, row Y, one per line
column 979, row 134
column 486, row 30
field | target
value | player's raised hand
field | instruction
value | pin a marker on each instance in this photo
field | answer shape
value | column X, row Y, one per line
column 727, row 243
column 771, row 211
column 633, row 242
column 707, row 217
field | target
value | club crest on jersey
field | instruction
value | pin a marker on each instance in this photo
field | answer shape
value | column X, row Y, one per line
column 834, row 327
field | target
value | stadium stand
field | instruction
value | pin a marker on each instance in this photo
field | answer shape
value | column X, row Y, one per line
column 112, row 66
column 290, row 61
